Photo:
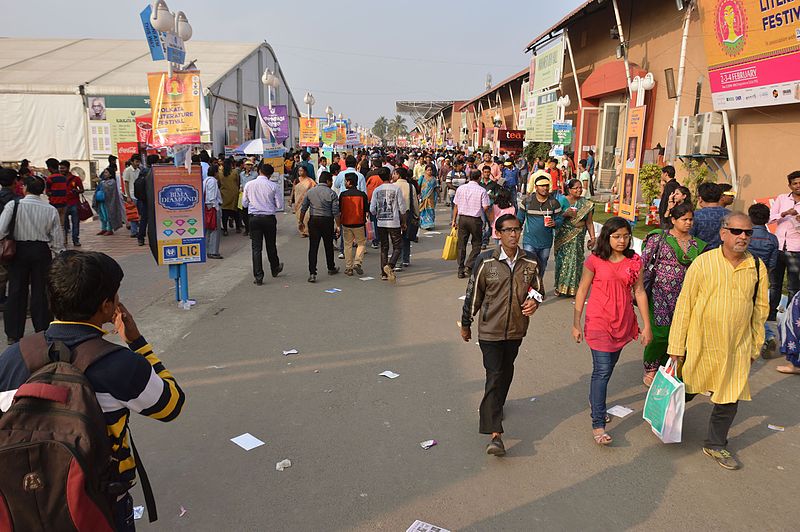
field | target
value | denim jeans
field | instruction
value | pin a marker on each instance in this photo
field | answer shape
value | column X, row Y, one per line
column 141, row 206
column 769, row 334
column 603, row 364
column 374, row 222
column 486, row 230
column 542, row 255
column 71, row 219
column 134, row 228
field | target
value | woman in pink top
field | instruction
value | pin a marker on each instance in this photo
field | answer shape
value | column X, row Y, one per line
column 613, row 272
column 502, row 205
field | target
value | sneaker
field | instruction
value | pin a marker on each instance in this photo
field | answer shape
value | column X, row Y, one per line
column 279, row 270
column 333, row 271
column 461, row 274
column 258, row 282
column 384, row 277
column 341, row 255
column 312, row 278
column 348, row 272
column 141, row 242
column 406, row 264
column 358, row 269
column 374, row 246
column 723, row 457
column 768, row 349
column 496, row 447
column 398, row 268
column 76, row 244
column 389, row 271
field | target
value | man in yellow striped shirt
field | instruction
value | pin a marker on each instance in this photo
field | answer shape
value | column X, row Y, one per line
column 718, row 328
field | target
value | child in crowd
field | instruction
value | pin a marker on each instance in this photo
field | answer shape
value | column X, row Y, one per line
column 764, row 245
column 503, row 204
column 613, row 272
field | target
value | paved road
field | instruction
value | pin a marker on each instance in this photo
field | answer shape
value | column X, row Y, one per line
column 353, row 437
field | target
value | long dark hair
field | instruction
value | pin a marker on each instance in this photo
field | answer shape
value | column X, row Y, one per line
column 227, row 166
column 503, row 199
column 603, row 247
column 680, row 210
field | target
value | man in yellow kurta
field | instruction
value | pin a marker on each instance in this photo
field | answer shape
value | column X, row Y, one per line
column 718, row 327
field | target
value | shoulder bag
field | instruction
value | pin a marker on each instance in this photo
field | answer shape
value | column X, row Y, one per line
column 8, row 246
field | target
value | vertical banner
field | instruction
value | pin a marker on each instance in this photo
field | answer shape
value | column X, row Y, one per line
column 341, row 135
column 175, row 106
column 126, row 150
column 629, row 185
column 329, row 135
column 546, row 66
column 144, row 129
column 753, row 51
column 309, row 132
column 545, row 112
column 178, row 195
column 275, row 120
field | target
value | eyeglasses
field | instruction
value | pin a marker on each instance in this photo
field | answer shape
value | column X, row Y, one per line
column 511, row 230
column 738, row 231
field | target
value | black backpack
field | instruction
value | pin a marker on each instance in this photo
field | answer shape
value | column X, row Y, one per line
column 140, row 187
column 58, row 472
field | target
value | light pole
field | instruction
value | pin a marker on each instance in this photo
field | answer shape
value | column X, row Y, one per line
column 175, row 25
column 641, row 85
column 309, row 101
column 562, row 103
column 270, row 81
column 329, row 114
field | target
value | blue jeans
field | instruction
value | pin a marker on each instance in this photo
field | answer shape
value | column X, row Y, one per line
column 602, row 367
column 486, row 231
column 134, row 228
column 542, row 255
column 142, row 208
column 769, row 334
column 374, row 221
column 71, row 219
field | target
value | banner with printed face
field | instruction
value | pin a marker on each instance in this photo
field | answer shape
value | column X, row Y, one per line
column 629, row 180
column 753, row 51
column 175, row 106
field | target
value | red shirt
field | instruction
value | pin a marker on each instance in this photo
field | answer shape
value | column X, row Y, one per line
column 74, row 189
column 373, row 182
column 57, row 189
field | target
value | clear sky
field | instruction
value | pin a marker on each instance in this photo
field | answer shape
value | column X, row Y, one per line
column 359, row 57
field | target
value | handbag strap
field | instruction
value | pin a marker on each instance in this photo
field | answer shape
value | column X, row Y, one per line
column 13, row 224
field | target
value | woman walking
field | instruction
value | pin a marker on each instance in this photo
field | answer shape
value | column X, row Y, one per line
column 569, row 238
column 429, row 192
column 612, row 271
column 680, row 196
column 301, row 188
column 108, row 204
column 229, row 188
column 666, row 255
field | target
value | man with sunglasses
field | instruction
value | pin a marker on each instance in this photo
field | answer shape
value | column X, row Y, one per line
column 718, row 328
column 500, row 287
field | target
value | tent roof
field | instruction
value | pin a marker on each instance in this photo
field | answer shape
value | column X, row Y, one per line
column 104, row 66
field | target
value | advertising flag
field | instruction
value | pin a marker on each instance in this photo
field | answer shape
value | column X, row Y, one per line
column 175, row 106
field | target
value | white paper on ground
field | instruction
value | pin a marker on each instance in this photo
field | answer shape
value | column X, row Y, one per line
column 366, row 278
column 333, row 290
column 283, row 464
column 182, row 512
column 427, row 444
column 138, row 512
column 433, row 233
column 390, row 374
column 777, row 428
column 422, row 526
column 290, row 352
column 619, row 411
column 247, row 441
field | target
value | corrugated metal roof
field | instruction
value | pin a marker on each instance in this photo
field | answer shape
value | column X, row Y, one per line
column 108, row 66
column 562, row 23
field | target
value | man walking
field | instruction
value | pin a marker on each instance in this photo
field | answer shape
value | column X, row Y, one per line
column 262, row 198
column 471, row 202
column 499, row 288
column 56, row 187
column 324, row 206
column 785, row 212
column 670, row 184
column 494, row 168
column 339, row 187
column 71, row 219
column 245, row 176
column 708, row 219
column 540, row 214
column 718, row 328
column 388, row 207
column 354, row 207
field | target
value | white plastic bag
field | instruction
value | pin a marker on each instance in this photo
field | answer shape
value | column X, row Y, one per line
column 665, row 404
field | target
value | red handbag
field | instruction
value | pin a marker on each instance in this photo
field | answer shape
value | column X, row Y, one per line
column 211, row 218
column 84, row 209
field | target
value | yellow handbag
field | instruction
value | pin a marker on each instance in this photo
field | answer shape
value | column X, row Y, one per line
column 450, row 251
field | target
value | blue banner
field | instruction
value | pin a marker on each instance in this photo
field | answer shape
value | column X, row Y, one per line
column 152, row 36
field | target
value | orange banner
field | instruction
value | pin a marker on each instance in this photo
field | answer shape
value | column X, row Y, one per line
column 309, row 132
column 629, row 182
column 175, row 106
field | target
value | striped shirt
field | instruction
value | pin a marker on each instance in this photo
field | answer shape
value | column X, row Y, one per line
column 130, row 379
column 716, row 326
column 57, row 189
column 37, row 221
column 262, row 196
column 471, row 199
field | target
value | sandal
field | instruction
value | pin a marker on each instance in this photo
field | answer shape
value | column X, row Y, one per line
column 603, row 439
column 648, row 378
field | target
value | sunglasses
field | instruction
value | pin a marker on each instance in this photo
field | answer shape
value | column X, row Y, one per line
column 737, row 231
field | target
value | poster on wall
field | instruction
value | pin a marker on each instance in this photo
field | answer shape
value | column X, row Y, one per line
column 100, row 138
column 309, row 132
column 549, row 62
column 175, row 105
column 630, row 167
column 180, row 235
column 546, row 111
column 753, row 51
column 97, row 108
column 232, row 126
column 275, row 120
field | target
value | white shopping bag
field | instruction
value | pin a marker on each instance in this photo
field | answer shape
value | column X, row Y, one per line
column 665, row 403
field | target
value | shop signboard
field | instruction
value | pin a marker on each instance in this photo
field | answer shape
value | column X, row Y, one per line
column 753, row 52
column 178, row 221
column 562, row 132
column 629, row 187
column 175, row 105
column 126, row 150
column 549, row 62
